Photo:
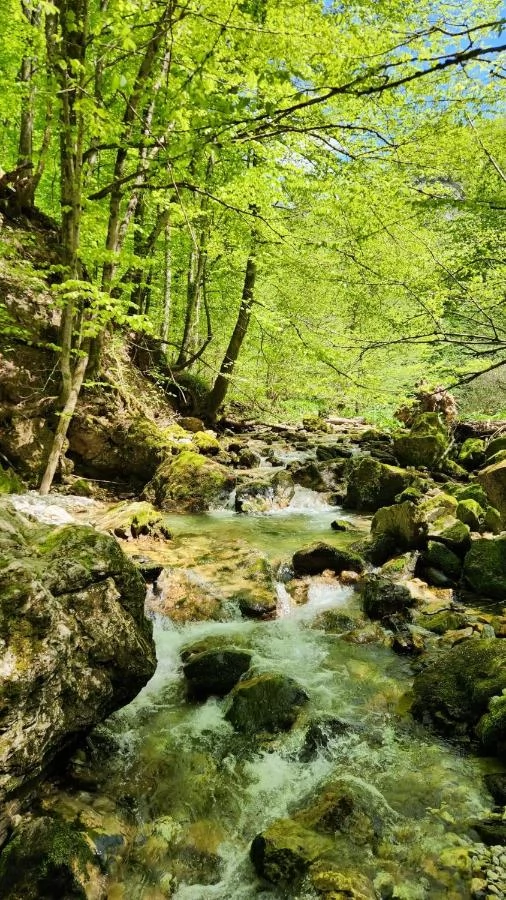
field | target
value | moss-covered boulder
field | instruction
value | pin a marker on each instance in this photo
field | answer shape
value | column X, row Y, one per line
column 283, row 853
column 471, row 513
column 206, row 443
column 265, row 703
column 459, row 690
column 371, row 484
column 257, row 599
column 265, row 494
column 75, row 642
column 189, row 482
column 495, row 446
column 383, row 597
column 215, row 671
column 442, row 621
column 403, row 522
column 493, row 482
column 472, row 491
column 426, row 444
column 451, row 532
column 46, row 859
column 136, row 520
column 316, row 558
column 349, row 806
column 492, row 521
column 485, row 567
column 438, row 556
column 472, row 453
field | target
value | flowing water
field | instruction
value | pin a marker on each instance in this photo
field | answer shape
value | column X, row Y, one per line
column 173, row 796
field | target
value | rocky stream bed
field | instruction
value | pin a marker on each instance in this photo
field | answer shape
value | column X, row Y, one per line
column 327, row 715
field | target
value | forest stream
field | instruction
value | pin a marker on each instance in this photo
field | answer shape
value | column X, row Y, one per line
column 174, row 796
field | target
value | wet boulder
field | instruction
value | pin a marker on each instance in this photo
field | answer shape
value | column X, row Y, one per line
column 47, row 858
column 403, row 522
column 129, row 521
column 493, row 481
column 215, row 672
column 372, row 484
column 382, row 598
column 265, row 703
column 349, row 806
column 189, row 482
column 76, row 643
column 284, row 851
column 461, row 691
column 452, row 533
column 426, row 443
column 317, row 558
column 485, row 567
column 274, row 492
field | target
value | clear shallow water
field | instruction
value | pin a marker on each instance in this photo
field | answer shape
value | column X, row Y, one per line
column 184, row 795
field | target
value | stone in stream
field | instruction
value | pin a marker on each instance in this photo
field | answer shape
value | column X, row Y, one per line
column 493, row 481
column 189, row 483
column 265, row 703
column 372, row 484
column 317, row 558
column 382, row 598
column 215, row 672
column 461, row 692
column 262, row 495
column 76, row 643
column 129, row 521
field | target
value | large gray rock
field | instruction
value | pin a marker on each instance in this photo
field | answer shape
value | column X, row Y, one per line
column 75, row 642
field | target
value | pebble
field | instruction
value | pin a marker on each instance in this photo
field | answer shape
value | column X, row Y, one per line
column 489, row 872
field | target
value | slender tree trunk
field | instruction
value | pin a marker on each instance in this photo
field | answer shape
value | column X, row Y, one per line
column 27, row 184
column 59, row 444
column 67, row 60
column 167, row 292
column 219, row 390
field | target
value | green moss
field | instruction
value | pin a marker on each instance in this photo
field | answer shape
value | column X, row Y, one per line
column 403, row 522
column 426, row 444
column 440, row 557
column 372, row 484
column 485, row 567
column 492, row 521
column 472, row 453
column 206, row 443
column 471, row 513
column 473, row 491
column 189, row 482
column 10, row 483
column 443, row 621
column 265, row 703
column 495, row 446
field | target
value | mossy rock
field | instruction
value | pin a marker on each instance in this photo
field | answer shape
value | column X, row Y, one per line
column 426, row 443
column 215, row 672
column 485, row 567
column 283, row 852
column 403, row 522
column 263, row 495
column 10, row 483
column 348, row 806
column 471, row 513
column 454, row 691
column 492, row 521
column 473, row 491
column 443, row 621
column 372, row 484
column 383, row 597
column 440, row 557
column 495, row 446
column 347, row 884
column 316, row 558
column 452, row 533
column 493, row 482
column 128, row 521
column 46, row 859
column 265, row 703
column 316, row 424
column 206, row 443
column 498, row 457
column 472, row 453
column 189, row 483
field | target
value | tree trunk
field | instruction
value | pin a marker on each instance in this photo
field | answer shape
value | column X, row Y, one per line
column 58, row 446
column 167, row 293
column 219, row 390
